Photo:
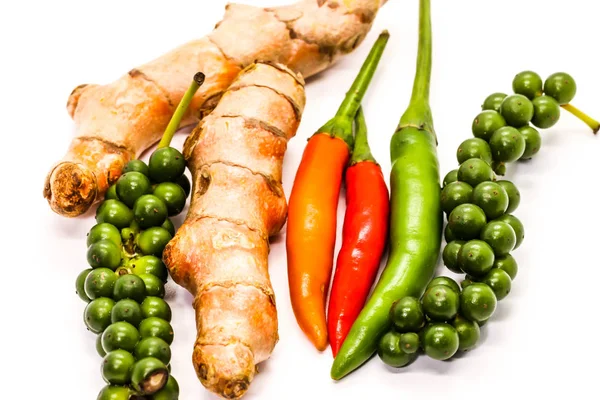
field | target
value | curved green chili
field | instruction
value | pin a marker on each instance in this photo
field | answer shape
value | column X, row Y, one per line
column 416, row 216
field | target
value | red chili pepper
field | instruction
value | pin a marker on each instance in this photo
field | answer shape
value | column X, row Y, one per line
column 363, row 238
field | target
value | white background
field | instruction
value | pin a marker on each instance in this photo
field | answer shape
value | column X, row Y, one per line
column 543, row 339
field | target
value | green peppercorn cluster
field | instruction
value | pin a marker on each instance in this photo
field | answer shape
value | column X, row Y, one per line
column 125, row 286
column 445, row 320
column 481, row 231
column 505, row 122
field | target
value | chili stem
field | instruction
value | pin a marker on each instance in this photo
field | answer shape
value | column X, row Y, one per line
column 362, row 151
column 591, row 122
column 341, row 125
column 353, row 98
column 418, row 113
column 165, row 141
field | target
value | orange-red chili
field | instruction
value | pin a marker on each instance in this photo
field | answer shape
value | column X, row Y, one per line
column 311, row 227
column 363, row 238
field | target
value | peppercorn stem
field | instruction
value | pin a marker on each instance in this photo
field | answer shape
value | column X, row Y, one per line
column 591, row 122
column 362, row 151
column 341, row 125
column 165, row 141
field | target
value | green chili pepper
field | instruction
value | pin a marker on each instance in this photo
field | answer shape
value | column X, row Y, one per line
column 416, row 216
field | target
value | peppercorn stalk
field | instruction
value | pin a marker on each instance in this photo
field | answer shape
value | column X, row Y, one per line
column 589, row 121
column 167, row 136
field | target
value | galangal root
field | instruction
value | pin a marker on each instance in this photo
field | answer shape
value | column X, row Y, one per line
column 119, row 121
column 220, row 253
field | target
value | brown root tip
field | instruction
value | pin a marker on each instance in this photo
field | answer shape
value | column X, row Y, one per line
column 155, row 382
column 70, row 189
column 199, row 78
column 226, row 370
